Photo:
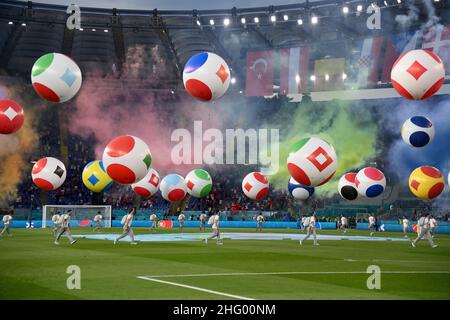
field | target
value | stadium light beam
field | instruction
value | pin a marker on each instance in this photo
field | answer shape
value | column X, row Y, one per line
column 233, row 80
column 359, row 8
column 93, row 30
column 297, row 78
column 226, row 22
column 299, row 21
column 273, row 18
column 24, row 24
column 106, row 30
column 285, row 17
column 243, row 20
column 314, row 20
column 345, row 10
column 327, row 77
column 256, row 20
column 313, row 78
column 198, row 23
column 10, row 22
column 211, row 22
column 344, row 76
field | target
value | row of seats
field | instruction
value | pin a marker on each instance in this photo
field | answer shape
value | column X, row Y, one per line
column 186, row 41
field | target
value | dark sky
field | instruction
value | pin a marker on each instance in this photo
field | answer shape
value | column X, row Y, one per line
column 171, row 4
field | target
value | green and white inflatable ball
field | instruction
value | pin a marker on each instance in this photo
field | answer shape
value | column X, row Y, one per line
column 199, row 183
column 56, row 77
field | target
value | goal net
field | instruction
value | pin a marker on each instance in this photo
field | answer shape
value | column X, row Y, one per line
column 80, row 216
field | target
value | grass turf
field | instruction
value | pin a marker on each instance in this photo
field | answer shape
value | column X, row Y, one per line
column 32, row 267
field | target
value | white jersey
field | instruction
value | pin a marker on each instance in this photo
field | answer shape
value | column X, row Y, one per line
column 7, row 219
column 216, row 222
column 344, row 221
column 181, row 217
column 153, row 217
column 371, row 220
column 260, row 218
column 423, row 223
column 306, row 221
column 405, row 223
column 312, row 221
column 127, row 220
column 433, row 223
column 64, row 220
column 202, row 217
column 98, row 218
column 55, row 218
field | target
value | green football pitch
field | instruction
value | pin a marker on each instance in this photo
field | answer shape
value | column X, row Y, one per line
column 32, row 267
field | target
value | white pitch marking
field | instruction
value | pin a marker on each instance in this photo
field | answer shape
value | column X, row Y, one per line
column 284, row 273
column 196, row 288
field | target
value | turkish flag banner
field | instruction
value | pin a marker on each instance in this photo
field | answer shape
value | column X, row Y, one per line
column 259, row 81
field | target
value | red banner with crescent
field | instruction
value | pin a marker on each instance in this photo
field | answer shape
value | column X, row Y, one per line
column 259, row 80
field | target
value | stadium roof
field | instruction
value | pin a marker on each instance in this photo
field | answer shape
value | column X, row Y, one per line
column 173, row 4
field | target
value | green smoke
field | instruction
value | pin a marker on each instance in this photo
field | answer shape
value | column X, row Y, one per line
column 348, row 126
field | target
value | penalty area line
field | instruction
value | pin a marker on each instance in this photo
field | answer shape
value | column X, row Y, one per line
column 153, row 277
column 195, row 288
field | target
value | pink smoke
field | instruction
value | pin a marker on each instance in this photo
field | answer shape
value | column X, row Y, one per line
column 107, row 108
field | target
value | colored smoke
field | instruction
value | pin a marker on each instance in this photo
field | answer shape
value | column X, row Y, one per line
column 107, row 112
column 347, row 126
column 15, row 148
column 402, row 158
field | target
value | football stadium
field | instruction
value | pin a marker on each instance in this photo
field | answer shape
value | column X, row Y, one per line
column 244, row 150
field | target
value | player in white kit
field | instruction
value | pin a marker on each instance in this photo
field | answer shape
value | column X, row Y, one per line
column 181, row 220
column 56, row 224
column 372, row 224
column 153, row 221
column 214, row 220
column 127, row 221
column 98, row 221
column 310, row 225
column 259, row 222
column 202, row 220
column 344, row 224
column 424, row 231
column 303, row 223
column 433, row 226
column 405, row 222
column 64, row 222
column 7, row 219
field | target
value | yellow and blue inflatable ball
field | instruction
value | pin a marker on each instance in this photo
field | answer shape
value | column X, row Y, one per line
column 95, row 177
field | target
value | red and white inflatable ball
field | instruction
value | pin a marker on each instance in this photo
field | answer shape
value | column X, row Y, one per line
column 418, row 74
column 11, row 116
column 312, row 161
column 206, row 76
column 173, row 187
column 48, row 173
column 255, row 185
column 147, row 186
column 370, row 182
column 127, row 159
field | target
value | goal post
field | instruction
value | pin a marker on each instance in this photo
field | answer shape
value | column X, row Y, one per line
column 78, row 214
